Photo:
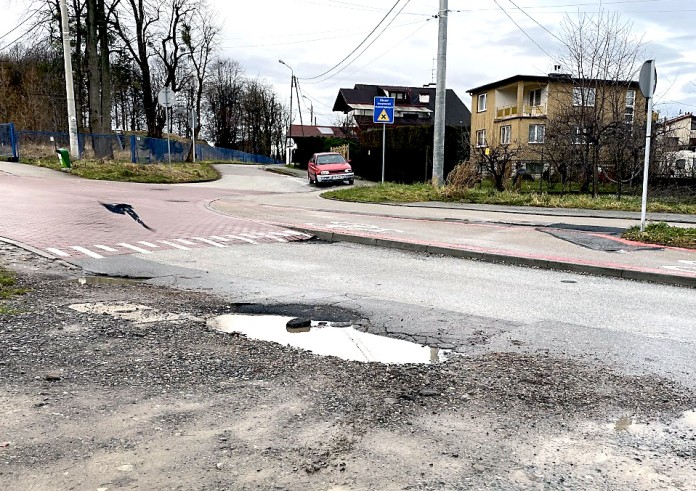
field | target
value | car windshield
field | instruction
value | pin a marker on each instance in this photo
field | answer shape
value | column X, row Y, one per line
column 330, row 159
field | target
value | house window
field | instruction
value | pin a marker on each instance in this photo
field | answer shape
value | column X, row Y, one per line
column 481, row 138
column 584, row 96
column 630, row 106
column 535, row 97
column 505, row 134
column 579, row 136
column 424, row 98
column 693, row 124
column 482, row 102
column 536, row 133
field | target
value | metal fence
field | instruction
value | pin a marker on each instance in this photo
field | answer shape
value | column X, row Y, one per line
column 8, row 142
column 137, row 149
column 145, row 149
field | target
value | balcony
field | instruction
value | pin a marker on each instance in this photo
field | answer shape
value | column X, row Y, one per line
column 528, row 111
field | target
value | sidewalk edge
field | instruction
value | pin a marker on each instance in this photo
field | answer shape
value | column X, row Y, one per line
column 627, row 274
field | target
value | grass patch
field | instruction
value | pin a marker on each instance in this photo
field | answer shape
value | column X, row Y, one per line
column 8, row 289
column 108, row 170
column 421, row 192
column 663, row 234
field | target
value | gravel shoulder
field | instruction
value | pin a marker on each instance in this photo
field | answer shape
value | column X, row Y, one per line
column 93, row 401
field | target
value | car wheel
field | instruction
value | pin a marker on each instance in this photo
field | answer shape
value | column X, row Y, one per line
column 309, row 177
column 350, row 181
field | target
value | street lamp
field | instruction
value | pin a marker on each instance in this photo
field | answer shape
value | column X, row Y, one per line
column 311, row 110
column 288, row 150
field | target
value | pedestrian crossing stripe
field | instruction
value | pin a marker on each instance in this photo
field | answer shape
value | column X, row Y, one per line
column 383, row 116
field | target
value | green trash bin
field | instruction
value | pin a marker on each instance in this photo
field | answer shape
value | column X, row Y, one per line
column 64, row 158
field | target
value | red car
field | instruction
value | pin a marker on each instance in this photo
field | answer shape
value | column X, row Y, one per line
column 329, row 167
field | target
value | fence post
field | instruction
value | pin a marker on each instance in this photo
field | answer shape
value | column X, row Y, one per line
column 134, row 155
column 15, row 150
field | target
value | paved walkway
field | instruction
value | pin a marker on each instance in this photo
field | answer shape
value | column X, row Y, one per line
column 254, row 206
column 61, row 215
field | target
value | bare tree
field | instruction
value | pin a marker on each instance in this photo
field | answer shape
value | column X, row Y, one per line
column 496, row 159
column 597, row 105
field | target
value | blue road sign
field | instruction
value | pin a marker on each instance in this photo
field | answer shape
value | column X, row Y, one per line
column 384, row 110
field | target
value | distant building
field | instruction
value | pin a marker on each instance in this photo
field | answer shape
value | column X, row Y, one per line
column 680, row 132
column 517, row 110
column 412, row 105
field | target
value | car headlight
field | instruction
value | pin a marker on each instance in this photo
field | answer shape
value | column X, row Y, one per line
column 348, row 170
column 324, row 172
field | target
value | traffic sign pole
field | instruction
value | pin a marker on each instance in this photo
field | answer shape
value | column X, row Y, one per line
column 384, row 114
column 384, row 147
column 647, row 83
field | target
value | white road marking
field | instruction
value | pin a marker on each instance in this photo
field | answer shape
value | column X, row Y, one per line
column 243, row 239
column 58, row 252
column 105, row 248
column 688, row 267
column 187, row 242
column 272, row 235
column 360, row 227
column 135, row 248
column 87, row 252
column 208, row 241
column 221, row 239
column 172, row 244
column 149, row 244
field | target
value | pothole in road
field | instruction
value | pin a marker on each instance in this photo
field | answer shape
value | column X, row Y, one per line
column 138, row 314
column 337, row 339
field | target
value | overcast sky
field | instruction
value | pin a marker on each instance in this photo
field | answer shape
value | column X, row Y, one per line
column 484, row 44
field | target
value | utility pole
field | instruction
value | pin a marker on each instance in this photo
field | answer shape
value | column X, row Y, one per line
column 440, row 91
column 288, row 149
column 69, row 89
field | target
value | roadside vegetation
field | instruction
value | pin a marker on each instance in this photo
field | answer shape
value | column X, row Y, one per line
column 485, row 193
column 663, row 234
column 108, row 170
column 8, row 289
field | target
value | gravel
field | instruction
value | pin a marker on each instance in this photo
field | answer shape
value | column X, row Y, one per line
column 94, row 401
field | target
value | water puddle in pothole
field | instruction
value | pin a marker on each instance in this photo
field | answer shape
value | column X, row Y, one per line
column 687, row 423
column 328, row 339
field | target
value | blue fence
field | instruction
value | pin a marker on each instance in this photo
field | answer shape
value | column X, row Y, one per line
column 137, row 149
column 147, row 150
column 8, row 142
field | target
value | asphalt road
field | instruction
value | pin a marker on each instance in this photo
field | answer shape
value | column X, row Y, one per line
column 466, row 305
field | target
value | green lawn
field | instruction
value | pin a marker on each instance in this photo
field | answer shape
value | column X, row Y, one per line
column 421, row 192
column 109, row 170
column 663, row 234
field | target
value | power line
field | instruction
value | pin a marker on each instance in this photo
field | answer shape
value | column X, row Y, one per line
column 535, row 21
column 523, row 31
column 350, row 75
column 361, row 43
column 364, row 49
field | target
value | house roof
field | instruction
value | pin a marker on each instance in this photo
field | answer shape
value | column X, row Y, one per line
column 304, row 131
column 678, row 118
column 544, row 79
column 361, row 96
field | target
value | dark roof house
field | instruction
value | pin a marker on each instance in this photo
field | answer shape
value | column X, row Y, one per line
column 412, row 105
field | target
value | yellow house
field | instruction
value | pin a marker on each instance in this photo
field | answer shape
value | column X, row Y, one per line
column 518, row 110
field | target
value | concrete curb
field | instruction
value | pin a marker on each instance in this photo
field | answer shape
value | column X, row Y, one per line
column 491, row 257
column 38, row 252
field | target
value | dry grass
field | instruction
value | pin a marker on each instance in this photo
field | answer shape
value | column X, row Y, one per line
column 109, row 170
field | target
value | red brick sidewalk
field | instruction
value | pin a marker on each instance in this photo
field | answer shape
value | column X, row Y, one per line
column 64, row 218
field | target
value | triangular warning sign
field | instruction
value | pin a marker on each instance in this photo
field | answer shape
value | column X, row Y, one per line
column 383, row 116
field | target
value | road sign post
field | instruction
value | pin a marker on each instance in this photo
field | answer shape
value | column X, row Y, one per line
column 166, row 99
column 647, row 83
column 383, row 113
